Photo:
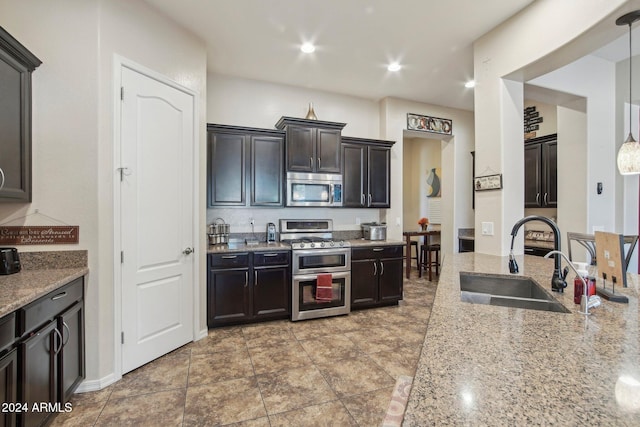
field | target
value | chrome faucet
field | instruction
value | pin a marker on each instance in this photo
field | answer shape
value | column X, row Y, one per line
column 586, row 302
column 557, row 280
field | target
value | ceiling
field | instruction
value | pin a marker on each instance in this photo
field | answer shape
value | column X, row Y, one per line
column 355, row 39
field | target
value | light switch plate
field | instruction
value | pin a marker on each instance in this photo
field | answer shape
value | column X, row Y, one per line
column 487, row 228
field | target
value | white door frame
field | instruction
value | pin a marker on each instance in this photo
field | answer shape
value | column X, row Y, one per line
column 120, row 62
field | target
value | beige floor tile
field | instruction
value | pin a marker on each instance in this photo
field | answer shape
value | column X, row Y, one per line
column 208, row 368
column 164, row 408
column 401, row 361
column 271, row 333
column 166, row 373
column 294, row 389
column 369, row 409
column 224, row 402
column 80, row 416
column 314, row 328
column 92, row 397
column 278, row 357
column 326, row 414
column 258, row 422
column 220, row 340
column 355, row 376
column 375, row 339
column 330, row 348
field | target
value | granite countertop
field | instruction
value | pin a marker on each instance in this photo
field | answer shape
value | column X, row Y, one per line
column 263, row 246
column 42, row 272
column 489, row 365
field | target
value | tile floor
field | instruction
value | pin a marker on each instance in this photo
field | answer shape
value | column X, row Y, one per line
column 337, row 371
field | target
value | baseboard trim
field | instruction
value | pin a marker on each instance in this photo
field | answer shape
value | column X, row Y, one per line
column 95, row 385
column 202, row 334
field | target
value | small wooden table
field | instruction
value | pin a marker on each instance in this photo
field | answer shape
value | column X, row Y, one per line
column 408, row 235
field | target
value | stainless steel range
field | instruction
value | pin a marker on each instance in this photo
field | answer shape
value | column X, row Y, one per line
column 321, row 269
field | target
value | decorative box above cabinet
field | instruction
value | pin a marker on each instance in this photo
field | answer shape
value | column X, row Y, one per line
column 245, row 166
column 312, row 145
column 16, row 66
column 366, row 172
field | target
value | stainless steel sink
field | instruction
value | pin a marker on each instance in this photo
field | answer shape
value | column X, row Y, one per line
column 507, row 291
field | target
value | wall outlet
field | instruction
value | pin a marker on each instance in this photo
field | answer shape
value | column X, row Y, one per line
column 398, row 221
column 487, row 228
column 358, row 221
column 252, row 221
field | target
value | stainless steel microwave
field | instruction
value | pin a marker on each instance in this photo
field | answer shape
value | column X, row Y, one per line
column 314, row 189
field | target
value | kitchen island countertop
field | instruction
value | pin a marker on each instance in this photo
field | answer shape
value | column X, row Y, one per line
column 489, row 365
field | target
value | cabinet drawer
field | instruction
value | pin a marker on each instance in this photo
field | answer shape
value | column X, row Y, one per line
column 240, row 259
column 377, row 252
column 271, row 258
column 7, row 331
column 47, row 307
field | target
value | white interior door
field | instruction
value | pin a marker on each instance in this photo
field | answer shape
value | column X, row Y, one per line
column 156, row 200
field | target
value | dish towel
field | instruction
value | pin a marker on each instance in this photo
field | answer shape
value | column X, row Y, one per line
column 324, row 289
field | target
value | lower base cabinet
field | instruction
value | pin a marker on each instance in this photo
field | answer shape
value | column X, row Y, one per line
column 376, row 276
column 8, row 386
column 248, row 287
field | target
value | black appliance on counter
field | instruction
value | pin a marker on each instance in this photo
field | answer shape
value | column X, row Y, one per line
column 9, row 261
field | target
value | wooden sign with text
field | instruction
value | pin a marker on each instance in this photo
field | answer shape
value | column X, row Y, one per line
column 39, row 235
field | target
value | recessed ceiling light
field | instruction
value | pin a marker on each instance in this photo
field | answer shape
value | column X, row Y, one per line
column 394, row 66
column 307, row 47
column 470, row 84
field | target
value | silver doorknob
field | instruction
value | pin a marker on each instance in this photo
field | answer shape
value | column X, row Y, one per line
column 187, row 251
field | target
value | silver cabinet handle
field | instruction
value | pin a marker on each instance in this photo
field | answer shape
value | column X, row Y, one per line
column 60, row 295
column 538, row 199
column 2, row 175
column 311, row 162
column 369, row 203
column 381, row 268
column 187, row 251
column 229, row 256
column 68, row 333
column 270, row 255
column 362, row 199
column 255, row 278
column 545, row 198
column 378, row 249
column 375, row 268
column 246, row 279
column 318, row 163
column 60, row 335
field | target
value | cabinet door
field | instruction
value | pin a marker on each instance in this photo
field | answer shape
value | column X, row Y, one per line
column 8, row 386
column 272, row 292
column 550, row 174
column 353, row 175
column 15, row 122
column 532, row 178
column 71, row 367
column 38, row 371
column 227, row 169
column 379, row 177
column 390, row 272
column 267, row 171
column 228, row 296
column 327, row 151
column 300, row 149
column 364, row 283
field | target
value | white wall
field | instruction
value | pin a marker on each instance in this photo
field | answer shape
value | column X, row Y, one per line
column 72, row 128
column 509, row 51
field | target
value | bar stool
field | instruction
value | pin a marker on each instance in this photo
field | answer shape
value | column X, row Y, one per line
column 429, row 263
column 414, row 243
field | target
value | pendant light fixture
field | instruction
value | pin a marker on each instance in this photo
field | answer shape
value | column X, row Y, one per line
column 629, row 153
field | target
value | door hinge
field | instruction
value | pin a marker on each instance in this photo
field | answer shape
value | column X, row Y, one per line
column 121, row 257
column 122, row 337
column 121, row 93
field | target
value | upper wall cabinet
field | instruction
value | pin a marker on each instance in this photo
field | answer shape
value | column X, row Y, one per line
column 366, row 173
column 16, row 66
column 245, row 166
column 541, row 172
column 312, row 145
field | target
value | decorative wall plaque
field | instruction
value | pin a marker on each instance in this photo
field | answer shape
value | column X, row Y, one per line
column 39, row 235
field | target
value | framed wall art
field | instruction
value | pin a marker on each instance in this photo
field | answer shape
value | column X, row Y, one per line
column 429, row 124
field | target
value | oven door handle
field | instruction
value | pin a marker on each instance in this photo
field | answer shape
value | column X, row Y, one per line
column 307, row 277
column 331, row 189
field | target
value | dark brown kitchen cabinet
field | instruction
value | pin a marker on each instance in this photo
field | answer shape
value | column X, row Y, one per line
column 16, row 65
column 376, row 276
column 248, row 287
column 366, row 173
column 312, row 145
column 245, row 167
column 541, row 172
column 51, row 350
column 8, row 386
